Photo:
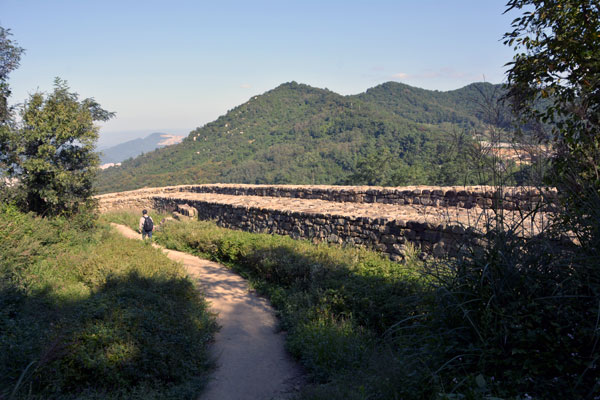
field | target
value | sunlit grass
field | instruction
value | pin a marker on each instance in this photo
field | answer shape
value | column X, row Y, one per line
column 95, row 315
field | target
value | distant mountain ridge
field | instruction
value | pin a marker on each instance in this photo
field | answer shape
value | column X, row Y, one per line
column 391, row 134
column 134, row 148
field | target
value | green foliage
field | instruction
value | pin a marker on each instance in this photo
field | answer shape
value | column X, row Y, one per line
column 53, row 152
column 542, row 296
column 559, row 60
column 373, row 169
column 85, row 314
column 303, row 135
column 461, row 106
column 522, row 316
column 10, row 55
column 47, row 163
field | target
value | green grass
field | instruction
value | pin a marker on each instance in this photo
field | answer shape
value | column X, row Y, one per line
column 87, row 314
column 336, row 304
column 515, row 319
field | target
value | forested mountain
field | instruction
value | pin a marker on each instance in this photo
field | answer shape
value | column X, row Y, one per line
column 393, row 134
column 463, row 106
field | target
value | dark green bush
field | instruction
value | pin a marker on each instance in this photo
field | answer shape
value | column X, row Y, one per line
column 524, row 314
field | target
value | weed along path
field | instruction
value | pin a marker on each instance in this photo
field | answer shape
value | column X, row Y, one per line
column 251, row 360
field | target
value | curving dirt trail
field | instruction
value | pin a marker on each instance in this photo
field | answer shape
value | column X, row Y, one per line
column 252, row 363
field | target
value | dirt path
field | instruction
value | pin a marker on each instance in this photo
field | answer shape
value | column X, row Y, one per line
column 252, row 362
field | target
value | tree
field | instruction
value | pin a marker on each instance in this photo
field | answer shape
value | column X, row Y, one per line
column 558, row 61
column 54, row 150
column 52, row 153
column 10, row 55
column 372, row 169
column 558, row 66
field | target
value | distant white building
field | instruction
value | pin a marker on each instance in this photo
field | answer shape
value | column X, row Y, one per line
column 108, row 165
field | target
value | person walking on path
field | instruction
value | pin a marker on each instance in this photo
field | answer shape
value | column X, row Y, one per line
column 146, row 225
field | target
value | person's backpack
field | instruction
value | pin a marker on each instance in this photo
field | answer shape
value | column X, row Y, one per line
column 148, row 225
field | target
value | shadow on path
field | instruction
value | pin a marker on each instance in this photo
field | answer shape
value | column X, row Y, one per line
column 251, row 358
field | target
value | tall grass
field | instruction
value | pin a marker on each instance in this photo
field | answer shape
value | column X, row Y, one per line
column 337, row 304
column 86, row 314
column 511, row 319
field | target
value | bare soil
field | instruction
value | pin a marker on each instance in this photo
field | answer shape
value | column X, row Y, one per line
column 249, row 350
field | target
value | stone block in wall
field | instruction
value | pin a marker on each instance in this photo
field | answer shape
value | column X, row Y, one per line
column 398, row 223
column 430, row 236
column 411, row 235
column 380, row 228
column 417, row 226
column 380, row 247
column 457, row 229
column 334, row 239
column 187, row 210
column 440, row 249
column 388, row 239
column 396, row 248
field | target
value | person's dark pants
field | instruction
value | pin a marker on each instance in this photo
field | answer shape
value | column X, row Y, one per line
column 144, row 233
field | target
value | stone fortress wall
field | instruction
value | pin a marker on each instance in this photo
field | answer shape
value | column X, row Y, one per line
column 435, row 219
column 512, row 198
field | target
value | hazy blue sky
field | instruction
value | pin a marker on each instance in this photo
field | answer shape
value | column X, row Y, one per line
column 176, row 65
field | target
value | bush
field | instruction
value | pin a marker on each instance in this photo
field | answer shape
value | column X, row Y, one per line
column 525, row 316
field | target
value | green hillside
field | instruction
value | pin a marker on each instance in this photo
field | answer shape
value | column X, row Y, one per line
column 462, row 106
column 393, row 134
